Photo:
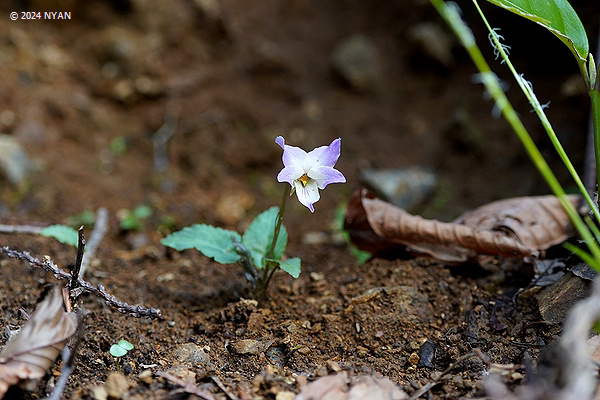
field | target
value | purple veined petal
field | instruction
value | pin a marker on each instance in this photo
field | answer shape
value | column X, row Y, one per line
column 291, row 154
column 290, row 173
column 326, row 175
column 307, row 195
column 326, row 155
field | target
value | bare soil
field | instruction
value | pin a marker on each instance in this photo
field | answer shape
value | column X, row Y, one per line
column 85, row 98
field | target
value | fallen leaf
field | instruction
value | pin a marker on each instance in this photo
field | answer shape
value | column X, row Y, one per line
column 518, row 227
column 362, row 387
column 28, row 355
column 251, row 346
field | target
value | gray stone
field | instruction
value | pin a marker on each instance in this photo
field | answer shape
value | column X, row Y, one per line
column 405, row 188
column 433, row 41
column 192, row 354
column 357, row 61
column 15, row 164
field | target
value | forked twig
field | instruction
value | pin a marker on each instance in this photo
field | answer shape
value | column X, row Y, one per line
column 82, row 285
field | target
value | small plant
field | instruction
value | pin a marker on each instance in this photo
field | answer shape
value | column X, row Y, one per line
column 134, row 219
column 119, row 350
column 261, row 248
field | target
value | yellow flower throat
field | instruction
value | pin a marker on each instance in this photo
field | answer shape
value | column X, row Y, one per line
column 304, row 180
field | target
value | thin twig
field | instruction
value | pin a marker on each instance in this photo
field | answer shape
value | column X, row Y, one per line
column 578, row 380
column 426, row 388
column 68, row 356
column 82, row 285
column 187, row 386
column 218, row 382
column 77, row 267
column 36, row 230
column 100, row 228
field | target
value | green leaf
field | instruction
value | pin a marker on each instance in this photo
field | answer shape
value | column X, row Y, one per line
column 132, row 220
column 555, row 15
column 213, row 242
column 125, row 344
column 117, row 351
column 291, row 266
column 259, row 235
column 62, row 233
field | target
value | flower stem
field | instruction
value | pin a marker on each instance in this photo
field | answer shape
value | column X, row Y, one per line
column 286, row 194
column 271, row 266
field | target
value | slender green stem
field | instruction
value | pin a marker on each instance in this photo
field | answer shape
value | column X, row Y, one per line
column 452, row 17
column 286, row 194
column 271, row 266
column 595, row 97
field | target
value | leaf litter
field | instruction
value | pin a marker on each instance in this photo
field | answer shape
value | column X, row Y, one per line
column 521, row 227
column 30, row 353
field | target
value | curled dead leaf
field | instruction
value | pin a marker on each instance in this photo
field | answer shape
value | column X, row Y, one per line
column 518, row 227
column 28, row 355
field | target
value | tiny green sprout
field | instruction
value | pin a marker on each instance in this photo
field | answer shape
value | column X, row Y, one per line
column 120, row 349
column 118, row 145
column 133, row 219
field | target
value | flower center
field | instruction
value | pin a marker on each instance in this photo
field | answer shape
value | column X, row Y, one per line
column 304, row 180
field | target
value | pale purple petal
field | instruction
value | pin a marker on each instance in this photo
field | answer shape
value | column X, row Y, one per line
column 307, row 195
column 326, row 175
column 326, row 155
column 290, row 173
column 291, row 154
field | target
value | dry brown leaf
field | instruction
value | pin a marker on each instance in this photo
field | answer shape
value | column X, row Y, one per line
column 341, row 387
column 28, row 355
column 517, row 227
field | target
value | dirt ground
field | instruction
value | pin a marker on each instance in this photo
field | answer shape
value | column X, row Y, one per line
column 86, row 97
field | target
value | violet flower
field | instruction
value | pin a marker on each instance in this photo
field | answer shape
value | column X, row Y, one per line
column 309, row 172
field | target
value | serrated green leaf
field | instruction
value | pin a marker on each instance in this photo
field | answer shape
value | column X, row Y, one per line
column 125, row 344
column 259, row 235
column 213, row 242
column 555, row 15
column 292, row 266
column 62, row 233
column 117, row 351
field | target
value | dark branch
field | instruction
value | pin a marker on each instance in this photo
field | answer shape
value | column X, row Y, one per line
column 82, row 285
column 77, row 267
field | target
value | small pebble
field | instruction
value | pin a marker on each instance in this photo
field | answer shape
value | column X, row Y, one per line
column 116, row 385
column 413, row 358
column 146, row 377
